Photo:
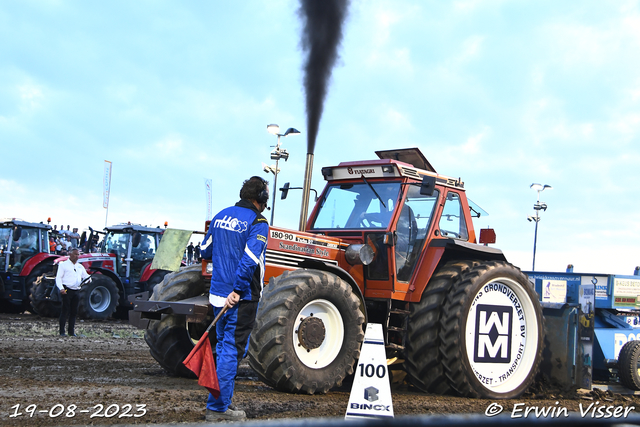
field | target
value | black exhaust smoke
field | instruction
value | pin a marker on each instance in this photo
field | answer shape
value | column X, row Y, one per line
column 321, row 35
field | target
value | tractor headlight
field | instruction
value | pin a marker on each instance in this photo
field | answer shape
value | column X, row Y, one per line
column 209, row 268
column 359, row 254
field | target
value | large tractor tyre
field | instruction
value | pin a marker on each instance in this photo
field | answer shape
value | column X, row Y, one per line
column 491, row 332
column 423, row 361
column 30, row 285
column 171, row 339
column 308, row 332
column 629, row 365
column 98, row 298
column 41, row 304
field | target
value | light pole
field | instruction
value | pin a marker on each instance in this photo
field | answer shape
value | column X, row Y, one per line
column 538, row 206
column 277, row 154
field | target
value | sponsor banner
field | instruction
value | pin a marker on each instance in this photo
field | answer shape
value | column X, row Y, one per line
column 371, row 391
column 207, row 189
column 106, row 188
column 499, row 328
column 626, row 292
column 600, row 282
column 554, row 291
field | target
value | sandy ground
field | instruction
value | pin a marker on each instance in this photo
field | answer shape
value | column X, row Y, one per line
column 108, row 377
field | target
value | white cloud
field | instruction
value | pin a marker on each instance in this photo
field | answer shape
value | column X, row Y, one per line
column 31, row 97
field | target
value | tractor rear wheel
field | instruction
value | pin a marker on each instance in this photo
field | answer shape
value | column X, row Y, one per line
column 171, row 339
column 308, row 332
column 423, row 359
column 629, row 365
column 98, row 298
column 492, row 332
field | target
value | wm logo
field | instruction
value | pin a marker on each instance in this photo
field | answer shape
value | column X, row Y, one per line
column 493, row 334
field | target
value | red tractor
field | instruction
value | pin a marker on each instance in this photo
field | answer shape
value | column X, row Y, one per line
column 121, row 267
column 389, row 241
column 24, row 255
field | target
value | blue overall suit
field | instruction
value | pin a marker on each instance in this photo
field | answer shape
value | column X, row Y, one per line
column 237, row 254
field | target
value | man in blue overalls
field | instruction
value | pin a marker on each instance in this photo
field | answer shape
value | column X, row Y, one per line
column 239, row 241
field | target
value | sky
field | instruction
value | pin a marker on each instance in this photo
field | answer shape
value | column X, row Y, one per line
column 502, row 94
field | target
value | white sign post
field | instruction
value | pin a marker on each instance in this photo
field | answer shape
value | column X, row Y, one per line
column 371, row 392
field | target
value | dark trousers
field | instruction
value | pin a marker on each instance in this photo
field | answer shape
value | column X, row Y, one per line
column 69, row 310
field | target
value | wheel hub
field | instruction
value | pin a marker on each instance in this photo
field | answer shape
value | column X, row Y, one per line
column 311, row 332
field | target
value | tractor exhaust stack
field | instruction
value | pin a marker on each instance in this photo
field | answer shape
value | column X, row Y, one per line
column 306, row 189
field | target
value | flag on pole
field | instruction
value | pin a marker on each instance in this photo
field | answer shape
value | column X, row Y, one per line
column 107, row 184
column 207, row 187
column 200, row 360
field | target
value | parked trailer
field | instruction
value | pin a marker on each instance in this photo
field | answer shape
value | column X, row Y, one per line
column 595, row 319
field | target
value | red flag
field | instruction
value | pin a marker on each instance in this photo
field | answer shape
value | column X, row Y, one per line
column 201, row 362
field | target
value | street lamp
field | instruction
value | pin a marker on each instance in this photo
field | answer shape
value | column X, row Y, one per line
column 538, row 206
column 277, row 154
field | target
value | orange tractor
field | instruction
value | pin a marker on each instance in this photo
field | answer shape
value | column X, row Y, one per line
column 389, row 241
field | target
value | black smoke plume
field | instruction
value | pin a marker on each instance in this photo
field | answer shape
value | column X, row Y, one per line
column 321, row 35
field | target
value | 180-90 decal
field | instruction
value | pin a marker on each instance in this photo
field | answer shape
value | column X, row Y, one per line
column 290, row 237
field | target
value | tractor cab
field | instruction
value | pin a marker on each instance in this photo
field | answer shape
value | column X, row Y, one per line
column 24, row 255
column 399, row 210
column 134, row 246
column 19, row 241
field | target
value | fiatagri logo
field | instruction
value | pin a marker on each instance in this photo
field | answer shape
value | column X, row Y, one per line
column 231, row 224
column 360, row 171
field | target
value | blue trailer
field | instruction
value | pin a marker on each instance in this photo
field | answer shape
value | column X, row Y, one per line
column 592, row 325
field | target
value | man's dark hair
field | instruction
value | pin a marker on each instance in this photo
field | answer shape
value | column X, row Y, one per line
column 253, row 187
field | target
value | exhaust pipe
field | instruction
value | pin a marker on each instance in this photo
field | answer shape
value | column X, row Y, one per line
column 306, row 189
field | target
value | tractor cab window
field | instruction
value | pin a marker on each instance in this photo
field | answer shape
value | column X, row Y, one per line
column 142, row 254
column 452, row 222
column 117, row 244
column 24, row 248
column 356, row 206
column 413, row 225
column 4, row 246
column 146, row 249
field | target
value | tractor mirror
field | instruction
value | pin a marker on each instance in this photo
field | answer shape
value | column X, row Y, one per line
column 136, row 239
column 285, row 191
column 428, row 185
column 17, row 233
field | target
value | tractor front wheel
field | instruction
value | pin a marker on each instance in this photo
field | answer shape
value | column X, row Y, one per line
column 308, row 332
column 491, row 332
column 98, row 298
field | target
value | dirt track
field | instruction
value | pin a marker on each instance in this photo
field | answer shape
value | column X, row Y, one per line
column 111, row 366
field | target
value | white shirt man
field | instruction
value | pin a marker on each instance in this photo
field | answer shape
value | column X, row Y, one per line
column 70, row 273
column 68, row 279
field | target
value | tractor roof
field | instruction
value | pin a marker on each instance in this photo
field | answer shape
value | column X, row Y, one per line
column 128, row 228
column 391, row 163
column 11, row 222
